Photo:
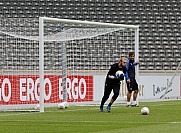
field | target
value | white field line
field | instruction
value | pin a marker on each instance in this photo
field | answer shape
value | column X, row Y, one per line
column 59, row 122
column 13, row 114
column 28, row 113
column 66, row 110
column 175, row 122
column 166, row 104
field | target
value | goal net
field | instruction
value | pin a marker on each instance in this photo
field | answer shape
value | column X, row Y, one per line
column 48, row 61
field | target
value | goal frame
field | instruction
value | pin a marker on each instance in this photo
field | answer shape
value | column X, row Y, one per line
column 41, row 46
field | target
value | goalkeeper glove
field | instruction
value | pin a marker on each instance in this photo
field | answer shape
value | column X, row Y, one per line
column 121, row 77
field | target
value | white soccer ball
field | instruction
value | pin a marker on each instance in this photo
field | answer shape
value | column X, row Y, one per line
column 66, row 104
column 37, row 106
column 61, row 105
column 145, row 111
column 119, row 73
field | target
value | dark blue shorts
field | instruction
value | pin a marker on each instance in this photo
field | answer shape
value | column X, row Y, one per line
column 133, row 85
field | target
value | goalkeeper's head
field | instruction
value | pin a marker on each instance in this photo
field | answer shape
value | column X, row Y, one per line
column 122, row 62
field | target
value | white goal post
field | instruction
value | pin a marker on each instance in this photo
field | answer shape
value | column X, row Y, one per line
column 78, row 22
column 50, row 60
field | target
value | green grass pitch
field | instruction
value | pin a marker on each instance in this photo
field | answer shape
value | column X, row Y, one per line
column 164, row 117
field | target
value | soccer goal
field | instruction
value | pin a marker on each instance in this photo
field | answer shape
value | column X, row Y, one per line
column 48, row 61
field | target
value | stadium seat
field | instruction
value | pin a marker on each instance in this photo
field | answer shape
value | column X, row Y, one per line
column 158, row 67
column 159, row 25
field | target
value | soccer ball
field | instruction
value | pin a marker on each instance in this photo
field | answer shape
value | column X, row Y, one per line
column 119, row 74
column 66, row 104
column 145, row 111
column 37, row 106
column 61, row 105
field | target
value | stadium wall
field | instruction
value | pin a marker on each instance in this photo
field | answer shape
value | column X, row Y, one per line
column 81, row 88
column 151, row 86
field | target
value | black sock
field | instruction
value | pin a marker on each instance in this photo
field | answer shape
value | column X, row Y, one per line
column 102, row 104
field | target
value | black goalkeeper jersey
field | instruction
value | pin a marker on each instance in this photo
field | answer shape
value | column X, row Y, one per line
column 112, row 72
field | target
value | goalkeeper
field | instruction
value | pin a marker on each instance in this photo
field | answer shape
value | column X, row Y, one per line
column 113, row 83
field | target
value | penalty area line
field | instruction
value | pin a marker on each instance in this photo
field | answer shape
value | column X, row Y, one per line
column 175, row 122
column 86, row 121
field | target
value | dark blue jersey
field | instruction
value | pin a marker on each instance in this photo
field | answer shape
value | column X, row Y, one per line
column 130, row 66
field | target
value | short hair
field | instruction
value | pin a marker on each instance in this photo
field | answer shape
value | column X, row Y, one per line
column 131, row 53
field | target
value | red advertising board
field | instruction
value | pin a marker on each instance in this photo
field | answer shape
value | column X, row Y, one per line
column 24, row 89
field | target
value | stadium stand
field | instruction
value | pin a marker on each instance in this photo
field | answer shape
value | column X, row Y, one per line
column 159, row 20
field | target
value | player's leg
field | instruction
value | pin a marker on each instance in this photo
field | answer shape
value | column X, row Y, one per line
column 135, row 95
column 107, row 92
column 116, row 89
column 135, row 89
column 129, row 93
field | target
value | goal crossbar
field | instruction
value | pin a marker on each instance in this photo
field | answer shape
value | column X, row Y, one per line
column 89, row 23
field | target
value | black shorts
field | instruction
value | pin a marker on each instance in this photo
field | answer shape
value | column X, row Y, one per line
column 111, row 86
column 132, row 86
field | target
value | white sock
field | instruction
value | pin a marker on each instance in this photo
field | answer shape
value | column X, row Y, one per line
column 128, row 103
column 134, row 102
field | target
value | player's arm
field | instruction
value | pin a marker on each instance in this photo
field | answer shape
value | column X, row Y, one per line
column 127, row 78
column 136, row 62
column 127, row 65
column 111, row 74
column 126, row 75
column 116, row 77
